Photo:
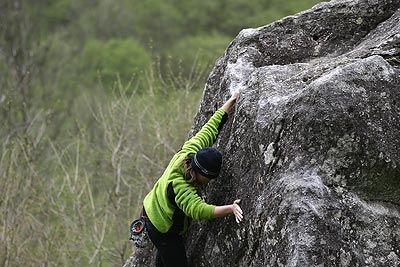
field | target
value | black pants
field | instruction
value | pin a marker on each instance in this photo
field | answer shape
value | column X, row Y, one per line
column 170, row 247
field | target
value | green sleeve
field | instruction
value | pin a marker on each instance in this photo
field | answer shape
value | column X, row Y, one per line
column 207, row 135
column 189, row 201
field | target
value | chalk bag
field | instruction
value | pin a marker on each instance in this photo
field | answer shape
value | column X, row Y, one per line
column 139, row 234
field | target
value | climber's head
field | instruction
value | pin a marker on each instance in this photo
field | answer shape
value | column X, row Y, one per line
column 207, row 162
column 203, row 166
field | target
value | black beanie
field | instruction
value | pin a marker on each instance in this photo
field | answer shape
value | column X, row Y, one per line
column 207, row 162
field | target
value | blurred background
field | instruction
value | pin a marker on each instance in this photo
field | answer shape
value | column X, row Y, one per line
column 95, row 97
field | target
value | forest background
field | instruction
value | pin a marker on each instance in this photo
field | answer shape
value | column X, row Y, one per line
column 95, row 97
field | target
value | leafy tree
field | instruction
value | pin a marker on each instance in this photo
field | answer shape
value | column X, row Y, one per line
column 51, row 15
column 20, row 59
column 114, row 56
column 202, row 50
column 158, row 22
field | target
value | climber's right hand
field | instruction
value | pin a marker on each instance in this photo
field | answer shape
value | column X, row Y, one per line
column 230, row 102
column 237, row 211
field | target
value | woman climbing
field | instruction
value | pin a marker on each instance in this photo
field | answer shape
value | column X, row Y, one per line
column 175, row 198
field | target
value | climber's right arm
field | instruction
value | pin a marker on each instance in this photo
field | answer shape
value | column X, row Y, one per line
column 221, row 211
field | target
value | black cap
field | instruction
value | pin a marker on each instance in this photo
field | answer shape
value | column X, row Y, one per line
column 207, row 162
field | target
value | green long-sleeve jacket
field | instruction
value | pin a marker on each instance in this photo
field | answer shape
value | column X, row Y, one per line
column 159, row 209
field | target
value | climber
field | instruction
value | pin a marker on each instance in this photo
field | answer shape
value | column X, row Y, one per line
column 175, row 198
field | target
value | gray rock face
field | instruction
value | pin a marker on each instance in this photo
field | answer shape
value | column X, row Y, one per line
column 312, row 147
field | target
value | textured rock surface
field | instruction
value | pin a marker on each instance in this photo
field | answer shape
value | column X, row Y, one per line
column 312, row 147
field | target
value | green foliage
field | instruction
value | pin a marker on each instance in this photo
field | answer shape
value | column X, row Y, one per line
column 51, row 14
column 72, row 203
column 107, row 59
column 157, row 21
column 203, row 49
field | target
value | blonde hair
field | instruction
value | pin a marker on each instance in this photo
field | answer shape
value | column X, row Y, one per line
column 188, row 173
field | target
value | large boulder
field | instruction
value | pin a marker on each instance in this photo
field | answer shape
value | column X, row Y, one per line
column 312, row 146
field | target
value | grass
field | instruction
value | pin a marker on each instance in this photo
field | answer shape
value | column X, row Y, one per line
column 69, row 201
